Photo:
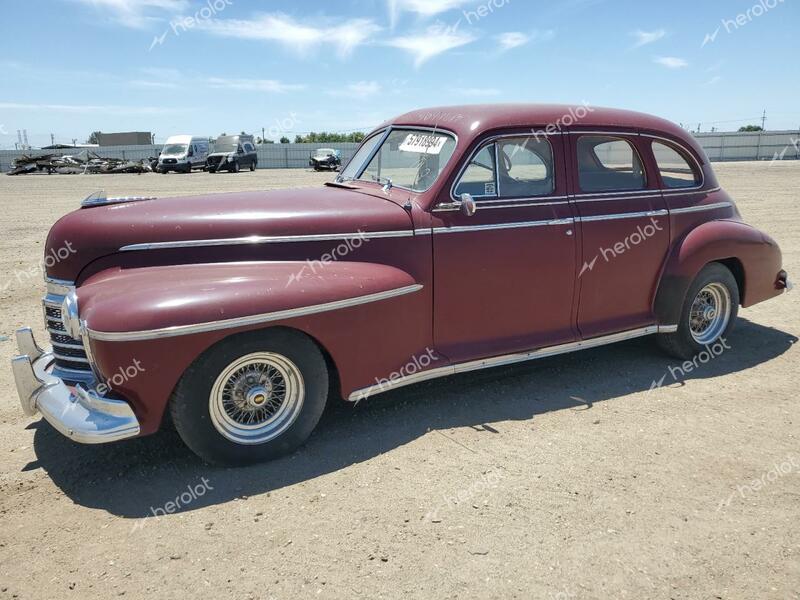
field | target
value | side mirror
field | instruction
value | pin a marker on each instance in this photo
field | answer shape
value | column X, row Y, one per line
column 467, row 205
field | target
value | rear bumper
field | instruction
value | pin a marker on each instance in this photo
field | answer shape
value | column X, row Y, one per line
column 77, row 413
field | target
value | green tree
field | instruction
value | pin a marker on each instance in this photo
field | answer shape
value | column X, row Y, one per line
column 751, row 128
column 94, row 138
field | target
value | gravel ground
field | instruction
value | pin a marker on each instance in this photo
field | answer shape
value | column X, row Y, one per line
column 563, row 478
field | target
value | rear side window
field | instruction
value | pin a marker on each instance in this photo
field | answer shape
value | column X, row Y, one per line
column 676, row 172
column 608, row 164
column 514, row 167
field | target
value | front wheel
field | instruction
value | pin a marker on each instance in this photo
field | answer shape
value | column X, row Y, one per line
column 252, row 397
column 253, row 166
column 707, row 315
column 234, row 168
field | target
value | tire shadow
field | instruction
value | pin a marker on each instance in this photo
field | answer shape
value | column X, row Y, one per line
column 132, row 477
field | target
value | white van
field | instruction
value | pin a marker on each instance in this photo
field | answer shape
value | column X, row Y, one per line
column 183, row 153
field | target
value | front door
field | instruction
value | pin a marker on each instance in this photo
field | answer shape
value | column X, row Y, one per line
column 504, row 277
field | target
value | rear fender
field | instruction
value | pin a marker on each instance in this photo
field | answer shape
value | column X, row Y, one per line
column 753, row 257
column 160, row 319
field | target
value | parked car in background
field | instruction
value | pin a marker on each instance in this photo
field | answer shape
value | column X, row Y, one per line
column 233, row 153
column 495, row 237
column 182, row 153
column 325, row 159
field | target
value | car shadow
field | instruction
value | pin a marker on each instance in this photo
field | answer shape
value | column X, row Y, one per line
column 137, row 478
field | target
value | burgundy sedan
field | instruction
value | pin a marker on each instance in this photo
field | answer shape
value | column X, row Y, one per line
column 456, row 238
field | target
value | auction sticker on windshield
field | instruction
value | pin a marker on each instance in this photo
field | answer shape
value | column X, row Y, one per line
column 423, row 143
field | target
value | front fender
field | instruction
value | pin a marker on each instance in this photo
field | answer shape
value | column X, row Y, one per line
column 162, row 318
column 753, row 256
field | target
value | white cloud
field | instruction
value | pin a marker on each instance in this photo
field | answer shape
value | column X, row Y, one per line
column 515, row 39
column 647, row 37
column 358, row 89
column 714, row 80
column 423, row 8
column 254, row 85
column 138, row 13
column 87, row 108
column 344, row 36
column 512, row 39
column 671, row 62
column 436, row 40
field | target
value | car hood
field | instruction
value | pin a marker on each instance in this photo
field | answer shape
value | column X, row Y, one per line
column 88, row 234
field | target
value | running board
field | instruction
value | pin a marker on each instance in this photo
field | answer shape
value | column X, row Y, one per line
column 508, row 359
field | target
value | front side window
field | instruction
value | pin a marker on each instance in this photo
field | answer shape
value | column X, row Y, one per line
column 608, row 164
column 676, row 172
column 479, row 179
column 526, row 167
column 513, row 167
column 411, row 159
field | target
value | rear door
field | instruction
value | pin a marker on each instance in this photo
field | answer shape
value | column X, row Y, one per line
column 624, row 229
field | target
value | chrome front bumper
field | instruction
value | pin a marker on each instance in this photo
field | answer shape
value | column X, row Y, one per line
column 78, row 413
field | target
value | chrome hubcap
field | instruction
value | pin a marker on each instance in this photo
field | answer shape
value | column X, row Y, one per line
column 256, row 398
column 710, row 313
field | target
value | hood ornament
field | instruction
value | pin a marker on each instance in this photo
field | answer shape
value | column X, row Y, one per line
column 99, row 198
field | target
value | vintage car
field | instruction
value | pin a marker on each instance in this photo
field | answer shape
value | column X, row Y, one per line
column 325, row 159
column 455, row 239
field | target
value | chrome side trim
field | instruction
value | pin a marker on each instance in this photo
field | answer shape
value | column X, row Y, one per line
column 266, row 239
column 507, row 359
column 494, row 226
column 631, row 215
column 615, row 197
column 688, row 191
column 701, row 207
column 129, row 336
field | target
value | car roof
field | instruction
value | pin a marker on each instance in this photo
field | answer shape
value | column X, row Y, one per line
column 470, row 121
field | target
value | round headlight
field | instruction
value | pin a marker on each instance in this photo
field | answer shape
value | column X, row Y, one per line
column 69, row 315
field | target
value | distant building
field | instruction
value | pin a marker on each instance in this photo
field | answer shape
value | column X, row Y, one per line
column 128, row 138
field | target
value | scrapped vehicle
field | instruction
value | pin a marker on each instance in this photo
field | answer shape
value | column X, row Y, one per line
column 325, row 159
column 233, row 153
column 455, row 239
column 182, row 153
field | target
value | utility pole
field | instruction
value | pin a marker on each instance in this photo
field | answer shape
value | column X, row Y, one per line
column 764, row 119
column 262, row 135
column 52, row 140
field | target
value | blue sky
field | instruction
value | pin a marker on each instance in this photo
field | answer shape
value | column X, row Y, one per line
column 70, row 67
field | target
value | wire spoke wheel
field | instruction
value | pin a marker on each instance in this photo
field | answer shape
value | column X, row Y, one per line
column 710, row 313
column 256, row 398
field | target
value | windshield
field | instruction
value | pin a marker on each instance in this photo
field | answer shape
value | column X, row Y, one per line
column 226, row 144
column 324, row 152
column 173, row 149
column 410, row 158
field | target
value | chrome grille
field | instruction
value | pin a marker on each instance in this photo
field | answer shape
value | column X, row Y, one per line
column 70, row 356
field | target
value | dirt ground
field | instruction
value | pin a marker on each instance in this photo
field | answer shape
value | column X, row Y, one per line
column 565, row 478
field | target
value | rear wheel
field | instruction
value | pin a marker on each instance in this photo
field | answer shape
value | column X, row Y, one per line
column 253, row 165
column 707, row 315
column 252, row 397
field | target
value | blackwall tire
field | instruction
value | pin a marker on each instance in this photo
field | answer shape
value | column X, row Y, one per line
column 708, row 313
column 252, row 397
